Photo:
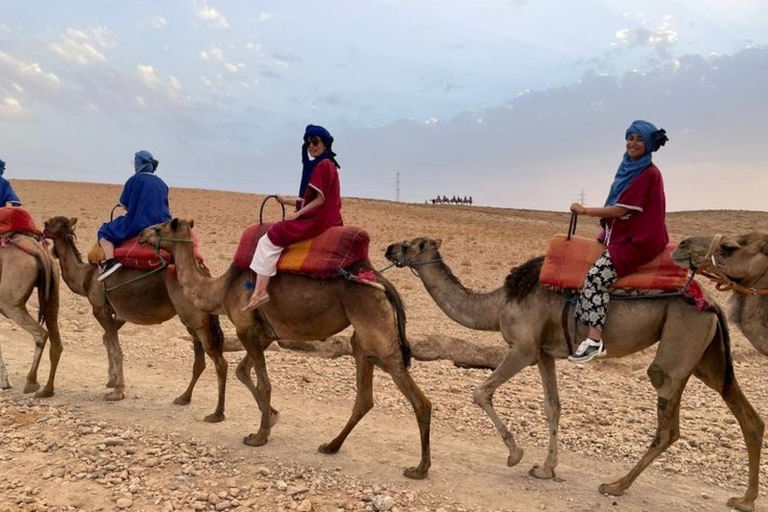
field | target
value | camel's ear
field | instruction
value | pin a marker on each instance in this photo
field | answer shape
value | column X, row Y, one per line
column 191, row 224
column 175, row 224
column 438, row 241
column 72, row 221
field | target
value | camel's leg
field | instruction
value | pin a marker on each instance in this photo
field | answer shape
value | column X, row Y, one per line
column 263, row 393
column 214, row 350
column 114, row 353
column 111, row 372
column 363, row 398
column 197, row 369
column 5, row 379
column 552, row 410
column 243, row 373
column 711, row 371
column 20, row 315
column 56, row 347
column 518, row 357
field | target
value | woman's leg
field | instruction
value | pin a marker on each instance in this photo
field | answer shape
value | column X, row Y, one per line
column 108, row 248
column 264, row 264
column 592, row 308
column 111, row 265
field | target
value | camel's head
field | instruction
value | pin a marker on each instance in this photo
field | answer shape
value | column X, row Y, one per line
column 740, row 256
column 60, row 227
column 166, row 234
column 413, row 252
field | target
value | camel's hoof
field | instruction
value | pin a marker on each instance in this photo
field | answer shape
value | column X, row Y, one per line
column 542, row 472
column 6, row 385
column 182, row 400
column 111, row 383
column 44, row 393
column 214, row 418
column 611, row 489
column 114, row 396
column 328, row 449
column 742, row 504
column 31, row 387
column 274, row 417
column 416, row 473
column 255, row 440
column 515, row 457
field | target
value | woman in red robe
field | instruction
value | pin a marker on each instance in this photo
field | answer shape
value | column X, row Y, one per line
column 635, row 231
column 318, row 207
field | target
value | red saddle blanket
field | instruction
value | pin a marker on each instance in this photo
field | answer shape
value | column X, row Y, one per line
column 568, row 261
column 132, row 254
column 320, row 257
column 14, row 219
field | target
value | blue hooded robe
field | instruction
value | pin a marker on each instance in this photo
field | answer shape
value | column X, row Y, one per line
column 145, row 197
column 6, row 190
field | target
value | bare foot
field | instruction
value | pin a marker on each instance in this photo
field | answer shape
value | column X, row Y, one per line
column 256, row 302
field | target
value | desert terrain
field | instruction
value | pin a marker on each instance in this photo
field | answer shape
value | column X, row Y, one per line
column 77, row 452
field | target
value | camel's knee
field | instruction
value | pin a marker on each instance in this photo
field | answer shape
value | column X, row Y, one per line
column 481, row 396
column 657, row 375
column 243, row 372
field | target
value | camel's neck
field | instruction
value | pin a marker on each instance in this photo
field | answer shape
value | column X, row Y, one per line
column 750, row 313
column 75, row 273
column 474, row 310
column 205, row 293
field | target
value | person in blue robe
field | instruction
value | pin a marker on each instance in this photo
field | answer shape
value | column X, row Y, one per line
column 9, row 197
column 145, row 199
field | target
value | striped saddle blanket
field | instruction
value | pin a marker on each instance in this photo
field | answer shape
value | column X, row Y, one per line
column 568, row 261
column 320, row 257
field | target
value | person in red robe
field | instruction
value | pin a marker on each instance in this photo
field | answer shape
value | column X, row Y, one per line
column 635, row 231
column 318, row 207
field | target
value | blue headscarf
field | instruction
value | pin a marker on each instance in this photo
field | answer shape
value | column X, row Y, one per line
column 309, row 165
column 2, row 167
column 630, row 169
column 144, row 162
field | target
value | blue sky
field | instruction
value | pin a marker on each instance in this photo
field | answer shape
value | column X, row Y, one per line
column 220, row 91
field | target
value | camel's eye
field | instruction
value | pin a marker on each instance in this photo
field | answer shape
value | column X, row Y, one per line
column 422, row 245
column 727, row 249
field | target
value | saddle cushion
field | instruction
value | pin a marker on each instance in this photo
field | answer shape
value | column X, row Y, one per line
column 132, row 254
column 13, row 219
column 568, row 261
column 320, row 257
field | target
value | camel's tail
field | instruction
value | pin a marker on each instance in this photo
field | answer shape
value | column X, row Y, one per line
column 397, row 304
column 725, row 337
column 46, row 284
column 215, row 333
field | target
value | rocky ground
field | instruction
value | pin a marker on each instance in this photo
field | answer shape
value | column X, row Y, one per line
column 78, row 452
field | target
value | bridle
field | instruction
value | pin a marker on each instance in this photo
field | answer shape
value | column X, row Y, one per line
column 723, row 282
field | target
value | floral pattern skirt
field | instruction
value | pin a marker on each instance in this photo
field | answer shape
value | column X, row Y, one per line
column 592, row 307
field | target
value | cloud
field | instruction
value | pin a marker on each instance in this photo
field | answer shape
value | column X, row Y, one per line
column 253, row 46
column 233, row 68
column 213, row 16
column 213, row 53
column 85, row 47
column 10, row 107
column 158, row 22
column 27, row 73
column 149, row 78
column 265, row 16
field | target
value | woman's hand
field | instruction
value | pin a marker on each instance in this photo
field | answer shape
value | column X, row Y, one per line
column 578, row 209
column 292, row 216
column 290, row 200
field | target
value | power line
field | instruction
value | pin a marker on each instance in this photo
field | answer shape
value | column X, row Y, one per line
column 397, row 186
column 582, row 198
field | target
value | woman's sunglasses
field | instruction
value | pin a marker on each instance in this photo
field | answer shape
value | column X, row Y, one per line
column 313, row 141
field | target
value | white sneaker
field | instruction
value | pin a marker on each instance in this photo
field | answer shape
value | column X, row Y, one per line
column 110, row 267
column 587, row 351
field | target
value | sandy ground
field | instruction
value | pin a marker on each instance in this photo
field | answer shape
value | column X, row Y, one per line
column 78, row 452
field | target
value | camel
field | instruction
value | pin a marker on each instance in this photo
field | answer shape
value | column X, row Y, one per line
column 24, row 265
column 146, row 299
column 743, row 259
column 529, row 318
column 301, row 309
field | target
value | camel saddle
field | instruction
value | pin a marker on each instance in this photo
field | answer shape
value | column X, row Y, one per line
column 132, row 254
column 321, row 257
column 14, row 219
column 568, row 261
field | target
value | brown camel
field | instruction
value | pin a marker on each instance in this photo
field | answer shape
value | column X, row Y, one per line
column 529, row 318
column 744, row 260
column 24, row 265
column 148, row 300
column 302, row 308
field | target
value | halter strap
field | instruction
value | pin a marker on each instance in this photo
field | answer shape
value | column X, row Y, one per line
column 723, row 282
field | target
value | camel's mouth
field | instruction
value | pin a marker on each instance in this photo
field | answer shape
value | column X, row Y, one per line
column 394, row 253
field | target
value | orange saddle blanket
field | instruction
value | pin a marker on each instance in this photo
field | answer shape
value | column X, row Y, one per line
column 132, row 254
column 14, row 219
column 568, row 261
column 320, row 257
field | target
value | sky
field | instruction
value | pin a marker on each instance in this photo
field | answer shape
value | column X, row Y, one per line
column 517, row 103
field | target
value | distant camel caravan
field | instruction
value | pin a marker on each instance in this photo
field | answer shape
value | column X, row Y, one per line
column 24, row 265
column 529, row 318
column 302, row 308
column 738, row 263
column 452, row 200
column 143, row 300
